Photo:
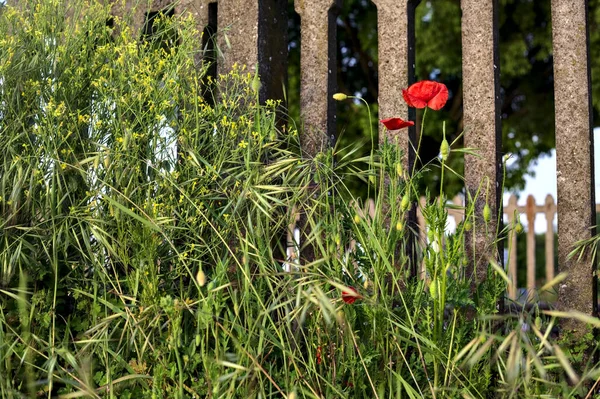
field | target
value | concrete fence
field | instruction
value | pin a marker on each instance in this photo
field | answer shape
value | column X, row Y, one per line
column 257, row 38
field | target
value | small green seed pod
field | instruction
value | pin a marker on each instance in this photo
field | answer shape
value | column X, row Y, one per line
column 468, row 225
column 519, row 227
column 405, row 204
column 487, row 213
column 433, row 289
column 399, row 225
column 399, row 170
column 445, row 149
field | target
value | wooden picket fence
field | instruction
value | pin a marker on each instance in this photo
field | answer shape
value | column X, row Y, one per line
column 256, row 37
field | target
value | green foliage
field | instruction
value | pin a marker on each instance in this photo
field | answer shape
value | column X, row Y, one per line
column 526, row 77
column 141, row 243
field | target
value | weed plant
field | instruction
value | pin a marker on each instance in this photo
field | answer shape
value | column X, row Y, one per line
column 145, row 206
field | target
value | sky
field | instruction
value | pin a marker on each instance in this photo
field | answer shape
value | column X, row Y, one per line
column 544, row 183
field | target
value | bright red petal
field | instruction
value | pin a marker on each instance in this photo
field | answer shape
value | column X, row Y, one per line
column 439, row 100
column 350, row 296
column 396, row 123
column 413, row 101
column 426, row 93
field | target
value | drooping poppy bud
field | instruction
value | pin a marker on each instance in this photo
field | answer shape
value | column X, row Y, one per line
column 519, row 227
column 340, row 96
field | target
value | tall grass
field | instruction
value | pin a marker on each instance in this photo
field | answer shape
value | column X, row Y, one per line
column 144, row 229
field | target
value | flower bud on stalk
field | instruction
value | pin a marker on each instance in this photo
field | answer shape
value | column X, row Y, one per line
column 487, row 213
column 340, row 96
column 399, row 225
column 519, row 227
column 433, row 289
column 468, row 225
column 399, row 170
column 445, row 149
column 405, row 204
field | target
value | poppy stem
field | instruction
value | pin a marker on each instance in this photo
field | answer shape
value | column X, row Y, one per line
column 371, row 134
column 412, row 172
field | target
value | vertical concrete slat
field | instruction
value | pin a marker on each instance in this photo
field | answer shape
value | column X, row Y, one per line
column 132, row 11
column 256, row 37
column 238, row 20
column 317, row 73
column 396, row 71
column 393, row 70
column 198, row 9
column 482, row 128
column 574, row 153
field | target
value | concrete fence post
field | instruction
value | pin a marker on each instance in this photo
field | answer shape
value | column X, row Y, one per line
column 574, row 155
column 318, row 69
column 482, row 129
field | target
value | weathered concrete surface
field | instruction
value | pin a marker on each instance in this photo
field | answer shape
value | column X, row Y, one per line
column 238, row 19
column 317, row 73
column 482, row 128
column 256, row 32
column 392, row 27
column 198, row 9
column 395, row 27
column 574, row 143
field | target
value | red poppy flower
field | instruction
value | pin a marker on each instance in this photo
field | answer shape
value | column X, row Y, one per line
column 396, row 123
column 350, row 296
column 426, row 93
column 319, row 360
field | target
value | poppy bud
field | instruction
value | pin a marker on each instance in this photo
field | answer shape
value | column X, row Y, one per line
column 357, row 218
column 399, row 170
column 399, row 225
column 538, row 322
column 519, row 227
column 201, row 278
column 340, row 97
column 198, row 339
column 405, row 203
column 445, row 149
column 256, row 85
column 433, row 289
column 468, row 225
column 487, row 213
column 372, row 179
